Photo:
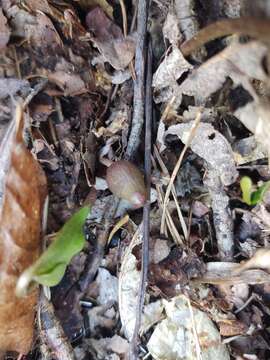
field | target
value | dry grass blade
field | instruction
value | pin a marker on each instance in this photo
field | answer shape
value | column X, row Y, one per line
column 20, row 226
column 176, row 169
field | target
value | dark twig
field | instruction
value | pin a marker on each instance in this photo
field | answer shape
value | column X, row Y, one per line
column 146, row 209
column 254, row 27
column 139, row 82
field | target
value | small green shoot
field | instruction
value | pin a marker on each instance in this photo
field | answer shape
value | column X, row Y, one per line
column 252, row 197
column 49, row 269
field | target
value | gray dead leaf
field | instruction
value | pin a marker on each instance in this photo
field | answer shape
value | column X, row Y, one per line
column 4, row 31
column 10, row 87
column 210, row 145
column 108, row 287
column 19, row 18
column 171, row 29
column 129, row 280
column 248, row 150
column 119, row 77
column 43, row 34
column 240, row 62
column 105, row 346
column 174, row 338
column 255, row 117
column 169, row 71
column 185, row 10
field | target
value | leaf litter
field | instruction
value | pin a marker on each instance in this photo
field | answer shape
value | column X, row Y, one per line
column 73, row 68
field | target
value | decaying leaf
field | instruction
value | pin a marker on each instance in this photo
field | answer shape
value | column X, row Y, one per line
column 50, row 267
column 186, row 334
column 240, row 62
column 109, row 39
column 23, row 186
column 169, row 71
column 4, row 31
column 255, row 116
column 43, row 34
column 248, row 150
column 212, row 146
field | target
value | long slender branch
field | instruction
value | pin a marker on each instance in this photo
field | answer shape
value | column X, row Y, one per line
column 139, row 82
column 146, row 209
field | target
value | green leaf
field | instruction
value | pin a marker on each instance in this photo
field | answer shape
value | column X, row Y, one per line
column 49, row 269
column 258, row 195
column 246, row 187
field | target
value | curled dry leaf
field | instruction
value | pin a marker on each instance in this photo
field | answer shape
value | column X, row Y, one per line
column 240, row 62
column 4, row 31
column 23, row 186
column 169, row 71
column 109, row 39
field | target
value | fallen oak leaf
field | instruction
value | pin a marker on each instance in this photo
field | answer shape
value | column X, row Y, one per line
column 23, row 187
column 49, row 269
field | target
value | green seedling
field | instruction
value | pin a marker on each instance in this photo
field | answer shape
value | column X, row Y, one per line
column 249, row 196
column 49, row 269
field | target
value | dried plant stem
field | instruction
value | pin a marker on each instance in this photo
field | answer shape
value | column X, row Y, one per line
column 146, row 209
column 139, row 82
column 52, row 331
column 254, row 27
column 176, row 169
column 179, row 212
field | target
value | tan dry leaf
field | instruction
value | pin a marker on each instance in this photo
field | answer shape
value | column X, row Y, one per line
column 109, row 39
column 23, row 184
column 4, row 31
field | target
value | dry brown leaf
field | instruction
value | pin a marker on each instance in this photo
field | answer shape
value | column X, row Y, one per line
column 4, row 31
column 109, row 39
column 23, row 187
column 232, row 328
column 70, row 84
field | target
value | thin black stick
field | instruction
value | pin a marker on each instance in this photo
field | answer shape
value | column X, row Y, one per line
column 146, row 209
column 139, row 82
